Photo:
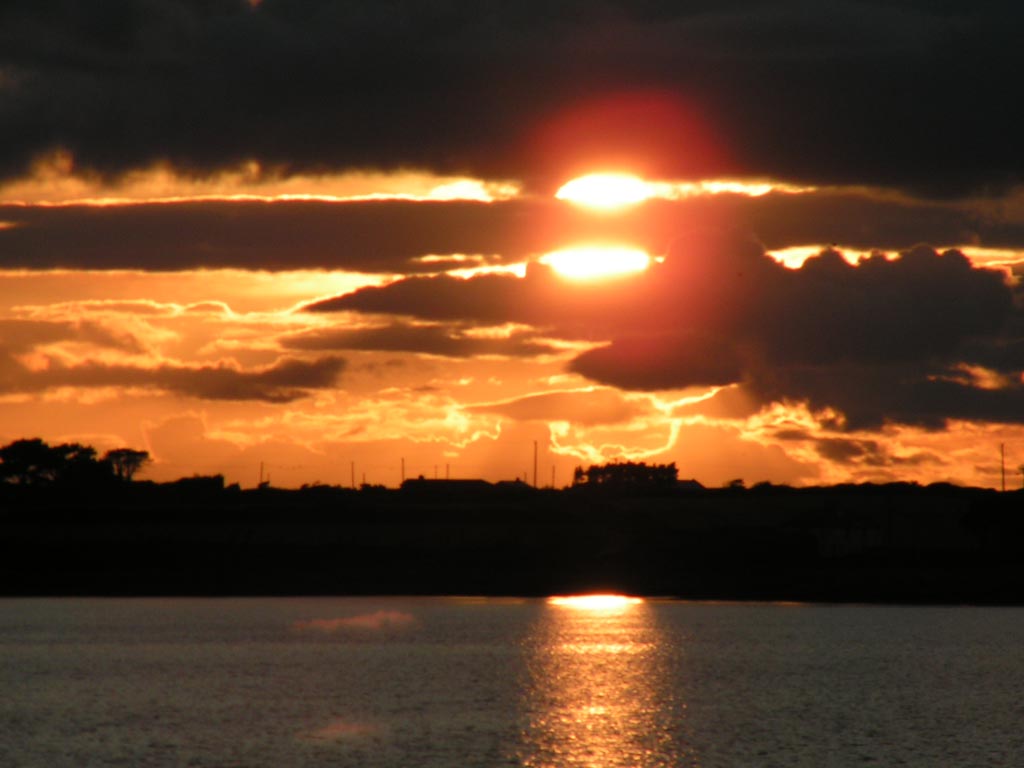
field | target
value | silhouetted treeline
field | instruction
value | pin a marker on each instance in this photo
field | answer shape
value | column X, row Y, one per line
column 627, row 475
column 895, row 542
column 33, row 462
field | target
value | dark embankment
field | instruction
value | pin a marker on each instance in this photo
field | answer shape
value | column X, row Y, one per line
column 892, row 543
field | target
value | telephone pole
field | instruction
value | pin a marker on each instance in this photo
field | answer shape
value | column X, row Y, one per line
column 1002, row 464
column 534, row 463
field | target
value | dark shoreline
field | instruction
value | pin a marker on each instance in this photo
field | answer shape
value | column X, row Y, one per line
column 898, row 543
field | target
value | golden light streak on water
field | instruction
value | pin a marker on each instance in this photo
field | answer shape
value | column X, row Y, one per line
column 594, row 697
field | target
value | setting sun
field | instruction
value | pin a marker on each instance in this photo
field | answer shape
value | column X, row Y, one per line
column 605, row 191
column 597, row 262
column 595, row 602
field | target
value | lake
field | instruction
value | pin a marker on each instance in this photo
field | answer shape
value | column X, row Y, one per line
column 483, row 682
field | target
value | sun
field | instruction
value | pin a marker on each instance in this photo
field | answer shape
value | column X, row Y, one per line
column 595, row 602
column 605, row 191
column 597, row 262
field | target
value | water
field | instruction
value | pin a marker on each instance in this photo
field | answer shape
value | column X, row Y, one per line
column 456, row 682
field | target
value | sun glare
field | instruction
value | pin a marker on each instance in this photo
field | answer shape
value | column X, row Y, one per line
column 597, row 262
column 605, row 191
column 595, row 602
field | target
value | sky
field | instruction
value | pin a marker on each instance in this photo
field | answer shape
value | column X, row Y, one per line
column 332, row 242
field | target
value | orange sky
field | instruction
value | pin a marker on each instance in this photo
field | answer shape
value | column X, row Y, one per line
column 221, row 369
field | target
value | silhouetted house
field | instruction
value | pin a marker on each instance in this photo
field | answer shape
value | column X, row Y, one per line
column 689, row 485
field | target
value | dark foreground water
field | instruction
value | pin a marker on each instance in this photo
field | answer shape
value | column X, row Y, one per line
column 465, row 682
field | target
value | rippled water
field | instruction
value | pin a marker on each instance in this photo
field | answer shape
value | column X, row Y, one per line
column 456, row 682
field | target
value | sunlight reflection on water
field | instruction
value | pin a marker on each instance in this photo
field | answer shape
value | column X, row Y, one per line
column 594, row 696
column 439, row 683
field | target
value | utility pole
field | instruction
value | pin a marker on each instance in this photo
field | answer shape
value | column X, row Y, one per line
column 353, row 469
column 403, row 469
column 534, row 463
column 1002, row 463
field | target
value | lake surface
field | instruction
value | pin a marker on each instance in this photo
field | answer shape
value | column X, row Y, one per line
column 470, row 682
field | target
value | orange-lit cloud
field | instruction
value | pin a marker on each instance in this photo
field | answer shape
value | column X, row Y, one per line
column 589, row 406
column 610, row 192
column 53, row 180
column 286, row 380
column 432, row 339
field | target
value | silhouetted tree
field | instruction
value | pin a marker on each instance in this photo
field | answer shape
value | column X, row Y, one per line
column 627, row 474
column 28, row 462
column 34, row 462
column 125, row 462
column 77, row 465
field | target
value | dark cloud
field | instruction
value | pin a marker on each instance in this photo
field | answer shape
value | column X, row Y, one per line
column 370, row 236
column 886, row 340
column 869, row 453
column 845, row 451
column 394, row 236
column 541, row 299
column 17, row 336
column 288, row 379
column 425, row 339
column 904, row 93
column 640, row 362
column 493, row 298
column 870, row 396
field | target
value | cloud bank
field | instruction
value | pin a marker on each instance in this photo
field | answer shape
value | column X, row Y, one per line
column 901, row 94
column 915, row 339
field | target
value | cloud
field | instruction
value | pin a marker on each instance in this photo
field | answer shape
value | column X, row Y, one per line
column 899, row 93
column 18, row 336
column 286, row 380
column 641, row 362
column 540, row 299
column 588, row 407
column 402, row 237
column 375, row 236
column 885, row 339
column 423, row 339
